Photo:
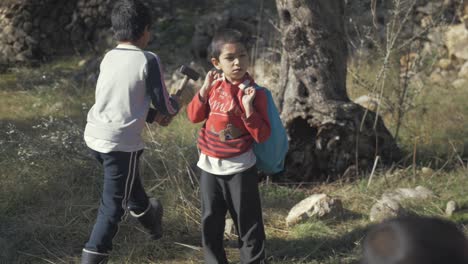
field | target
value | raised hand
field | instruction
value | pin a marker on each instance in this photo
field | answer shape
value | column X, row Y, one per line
column 209, row 78
column 247, row 100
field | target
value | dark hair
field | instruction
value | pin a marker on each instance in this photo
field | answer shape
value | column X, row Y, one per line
column 225, row 36
column 415, row 240
column 129, row 19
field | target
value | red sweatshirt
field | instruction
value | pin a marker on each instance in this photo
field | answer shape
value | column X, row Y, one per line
column 227, row 131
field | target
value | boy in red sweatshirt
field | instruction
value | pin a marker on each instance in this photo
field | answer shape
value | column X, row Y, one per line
column 235, row 116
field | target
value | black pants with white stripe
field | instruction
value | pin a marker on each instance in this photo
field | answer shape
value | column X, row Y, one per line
column 122, row 189
column 238, row 194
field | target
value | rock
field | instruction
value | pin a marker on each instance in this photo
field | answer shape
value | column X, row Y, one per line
column 18, row 46
column 448, row 3
column 456, row 41
column 430, row 8
column 368, row 102
column 445, row 64
column 460, row 83
column 436, row 36
column 230, row 227
column 425, row 171
column 401, row 194
column 8, row 52
column 8, row 30
column 436, row 77
column 89, row 22
column 317, row 205
column 82, row 63
column 447, row 75
column 27, row 27
column 463, row 73
column 427, row 22
column 45, row 21
column 21, row 57
column 423, row 192
column 28, row 53
column 385, row 208
column 451, row 208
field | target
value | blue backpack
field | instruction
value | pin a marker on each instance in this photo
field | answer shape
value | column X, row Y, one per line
column 272, row 153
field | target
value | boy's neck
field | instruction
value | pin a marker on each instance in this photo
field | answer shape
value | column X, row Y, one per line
column 236, row 82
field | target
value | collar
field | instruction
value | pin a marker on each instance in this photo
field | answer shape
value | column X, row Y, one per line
column 127, row 46
column 246, row 81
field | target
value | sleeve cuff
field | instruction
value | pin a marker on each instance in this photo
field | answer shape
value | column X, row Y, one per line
column 200, row 99
column 251, row 119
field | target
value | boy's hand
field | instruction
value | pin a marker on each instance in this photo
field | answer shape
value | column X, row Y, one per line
column 210, row 77
column 247, row 100
column 163, row 120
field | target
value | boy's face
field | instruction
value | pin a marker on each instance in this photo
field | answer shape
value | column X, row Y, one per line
column 233, row 61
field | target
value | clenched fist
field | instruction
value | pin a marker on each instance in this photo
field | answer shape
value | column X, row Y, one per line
column 163, row 120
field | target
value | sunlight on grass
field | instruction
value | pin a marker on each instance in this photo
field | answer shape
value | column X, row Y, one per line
column 338, row 240
column 8, row 81
column 435, row 120
column 47, row 90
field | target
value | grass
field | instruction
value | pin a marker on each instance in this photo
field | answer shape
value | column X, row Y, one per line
column 435, row 115
column 50, row 186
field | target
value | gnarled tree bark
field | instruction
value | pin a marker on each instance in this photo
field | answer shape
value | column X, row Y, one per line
column 329, row 135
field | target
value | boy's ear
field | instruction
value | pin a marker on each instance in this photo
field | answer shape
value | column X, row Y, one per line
column 215, row 63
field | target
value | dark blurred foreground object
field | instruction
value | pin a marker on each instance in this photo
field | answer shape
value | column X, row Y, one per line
column 415, row 240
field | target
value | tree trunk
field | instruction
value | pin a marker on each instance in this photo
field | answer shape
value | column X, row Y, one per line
column 330, row 135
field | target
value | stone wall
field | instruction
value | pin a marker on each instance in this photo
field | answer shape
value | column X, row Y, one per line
column 34, row 30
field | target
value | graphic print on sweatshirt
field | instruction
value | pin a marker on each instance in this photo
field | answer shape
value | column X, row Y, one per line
column 223, row 104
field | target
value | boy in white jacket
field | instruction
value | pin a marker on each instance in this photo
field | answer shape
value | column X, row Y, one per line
column 130, row 80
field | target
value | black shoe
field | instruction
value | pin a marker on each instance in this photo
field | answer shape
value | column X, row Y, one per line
column 151, row 218
column 90, row 257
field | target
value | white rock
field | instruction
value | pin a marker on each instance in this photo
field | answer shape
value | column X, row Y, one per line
column 463, row 73
column 317, row 205
column 423, row 192
column 460, row 83
column 229, row 227
column 445, row 64
column 368, row 102
column 451, row 208
column 385, row 208
column 456, row 41
column 401, row 194
column 82, row 63
column 427, row 171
